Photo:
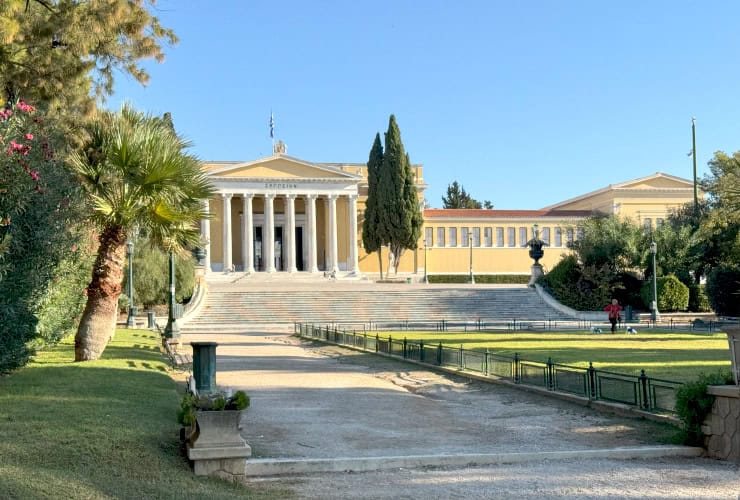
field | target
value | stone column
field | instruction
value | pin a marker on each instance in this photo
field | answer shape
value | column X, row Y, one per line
column 311, row 230
column 227, row 231
column 268, row 235
column 205, row 231
column 248, row 248
column 289, row 233
column 333, row 257
column 353, row 265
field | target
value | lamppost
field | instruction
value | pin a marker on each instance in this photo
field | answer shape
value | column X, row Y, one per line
column 654, row 315
column 130, row 322
column 172, row 330
column 471, row 280
column 426, row 266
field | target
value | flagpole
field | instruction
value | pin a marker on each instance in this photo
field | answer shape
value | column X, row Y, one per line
column 693, row 150
column 272, row 131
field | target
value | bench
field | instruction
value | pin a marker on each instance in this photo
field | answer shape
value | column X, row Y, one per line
column 178, row 360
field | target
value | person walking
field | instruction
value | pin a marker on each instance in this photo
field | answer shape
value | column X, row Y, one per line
column 613, row 312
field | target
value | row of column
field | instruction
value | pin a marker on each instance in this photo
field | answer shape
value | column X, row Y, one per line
column 268, row 234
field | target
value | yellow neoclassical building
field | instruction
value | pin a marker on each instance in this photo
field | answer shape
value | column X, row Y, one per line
column 284, row 214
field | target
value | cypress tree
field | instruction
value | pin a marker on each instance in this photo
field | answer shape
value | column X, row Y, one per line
column 370, row 236
column 399, row 216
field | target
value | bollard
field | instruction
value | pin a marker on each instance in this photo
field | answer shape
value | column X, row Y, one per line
column 150, row 322
column 204, row 366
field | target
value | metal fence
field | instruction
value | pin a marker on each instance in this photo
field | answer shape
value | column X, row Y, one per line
column 643, row 392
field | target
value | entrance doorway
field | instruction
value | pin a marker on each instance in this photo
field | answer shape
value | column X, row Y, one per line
column 299, row 248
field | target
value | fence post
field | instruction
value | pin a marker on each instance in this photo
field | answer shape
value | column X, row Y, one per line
column 643, row 386
column 485, row 362
column 390, row 344
column 462, row 361
column 549, row 374
column 404, row 348
column 377, row 341
column 591, row 381
column 516, row 367
column 421, row 351
column 365, row 347
column 439, row 354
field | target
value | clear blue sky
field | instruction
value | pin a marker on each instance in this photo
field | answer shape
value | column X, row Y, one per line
column 524, row 103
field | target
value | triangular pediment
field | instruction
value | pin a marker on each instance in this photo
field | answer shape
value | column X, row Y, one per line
column 657, row 181
column 279, row 167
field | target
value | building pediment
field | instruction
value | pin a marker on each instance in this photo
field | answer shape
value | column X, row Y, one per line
column 278, row 166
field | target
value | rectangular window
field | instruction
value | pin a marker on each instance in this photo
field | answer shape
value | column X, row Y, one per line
column 499, row 236
column 465, row 236
column 546, row 235
column 569, row 235
column 476, row 236
column 558, row 237
column 648, row 224
column 523, row 236
column 453, row 236
column 579, row 232
column 511, row 236
column 428, row 236
column 658, row 222
column 440, row 237
column 487, row 235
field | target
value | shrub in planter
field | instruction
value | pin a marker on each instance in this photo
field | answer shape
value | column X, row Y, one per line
column 217, row 401
column 693, row 404
column 672, row 294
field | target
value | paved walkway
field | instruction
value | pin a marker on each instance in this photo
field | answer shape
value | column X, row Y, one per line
column 314, row 403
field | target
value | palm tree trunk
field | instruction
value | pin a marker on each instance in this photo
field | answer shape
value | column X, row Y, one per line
column 380, row 262
column 98, row 321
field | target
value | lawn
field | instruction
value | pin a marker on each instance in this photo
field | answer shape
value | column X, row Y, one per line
column 662, row 354
column 101, row 429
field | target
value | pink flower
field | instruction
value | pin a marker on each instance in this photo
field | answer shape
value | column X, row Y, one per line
column 29, row 137
column 35, row 176
column 74, row 247
column 25, row 107
column 16, row 146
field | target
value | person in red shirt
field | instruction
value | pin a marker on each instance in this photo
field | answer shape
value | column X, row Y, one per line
column 613, row 311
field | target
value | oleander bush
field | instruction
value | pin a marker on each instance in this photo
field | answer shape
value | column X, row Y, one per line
column 672, row 294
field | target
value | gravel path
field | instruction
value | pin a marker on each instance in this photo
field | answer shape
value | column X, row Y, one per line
column 315, row 401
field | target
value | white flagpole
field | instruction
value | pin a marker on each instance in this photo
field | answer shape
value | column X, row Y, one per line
column 272, row 131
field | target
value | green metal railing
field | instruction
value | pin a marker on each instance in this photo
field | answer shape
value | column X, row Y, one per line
column 641, row 391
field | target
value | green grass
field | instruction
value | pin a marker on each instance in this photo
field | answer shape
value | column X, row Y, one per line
column 101, row 429
column 667, row 355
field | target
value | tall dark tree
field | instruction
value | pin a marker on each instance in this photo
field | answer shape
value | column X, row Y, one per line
column 399, row 213
column 370, row 227
column 457, row 197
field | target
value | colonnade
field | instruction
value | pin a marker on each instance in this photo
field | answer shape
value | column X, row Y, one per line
column 288, row 232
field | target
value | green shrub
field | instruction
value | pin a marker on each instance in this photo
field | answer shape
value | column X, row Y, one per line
column 217, row 401
column 693, row 404
column 723, row 290
column 698, row 301
column 151, row 275
column 508, row 279
column 672, row 294
column 45, row 253
column 582, row 288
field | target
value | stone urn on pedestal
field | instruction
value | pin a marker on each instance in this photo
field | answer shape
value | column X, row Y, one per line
column 536, row 252
column 733, row 338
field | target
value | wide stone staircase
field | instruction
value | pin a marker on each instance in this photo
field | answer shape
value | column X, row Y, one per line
column 357, row 305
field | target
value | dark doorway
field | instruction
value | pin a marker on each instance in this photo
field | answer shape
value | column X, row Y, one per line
column 299, row 248
column 258, row 248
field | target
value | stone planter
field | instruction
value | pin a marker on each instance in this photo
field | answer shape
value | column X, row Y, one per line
column 216, row 447
column 722, row 427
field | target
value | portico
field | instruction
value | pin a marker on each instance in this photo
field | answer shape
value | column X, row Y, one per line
column 281, row 214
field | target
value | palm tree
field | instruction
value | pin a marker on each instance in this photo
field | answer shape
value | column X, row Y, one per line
column 136, row 173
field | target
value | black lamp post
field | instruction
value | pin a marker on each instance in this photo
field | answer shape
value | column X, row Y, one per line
column 654, row 315
column 471, row 279
column 426, row 266
column 130, row 321
column 172, row 330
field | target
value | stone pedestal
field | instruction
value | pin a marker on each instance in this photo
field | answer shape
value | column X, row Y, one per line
column 217, row 448
column 722, row 427
column 536, row 274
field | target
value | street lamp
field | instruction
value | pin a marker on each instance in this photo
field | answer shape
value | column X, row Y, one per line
column 654, row 314
column 130, row 321
column 426, row 266
column 172, row 330
column 471, row 280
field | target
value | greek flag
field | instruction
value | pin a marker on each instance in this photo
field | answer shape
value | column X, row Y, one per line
column 272, row 126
